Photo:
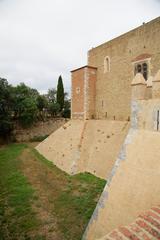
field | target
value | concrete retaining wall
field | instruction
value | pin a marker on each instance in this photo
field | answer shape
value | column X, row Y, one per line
column 85, row 146
column 133, row 185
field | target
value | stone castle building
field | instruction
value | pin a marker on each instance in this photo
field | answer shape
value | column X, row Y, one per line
column 102, row 89
column 120, row 83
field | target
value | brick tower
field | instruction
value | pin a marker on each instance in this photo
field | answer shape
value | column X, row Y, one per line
column 83, row 93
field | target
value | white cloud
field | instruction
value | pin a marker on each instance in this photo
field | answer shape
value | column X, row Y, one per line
column 41, row 39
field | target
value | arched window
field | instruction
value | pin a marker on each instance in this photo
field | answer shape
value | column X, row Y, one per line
column 106, row 64
column 145, row 70
column 142, row 68
column 139, row 68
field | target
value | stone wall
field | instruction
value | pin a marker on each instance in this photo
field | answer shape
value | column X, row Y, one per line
column 113, row 90
column 133, row 185
column 39, row 129
column 129, row 189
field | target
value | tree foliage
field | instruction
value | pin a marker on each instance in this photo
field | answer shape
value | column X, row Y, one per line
column 6, row 100
column 54, row 108
column 51, row 95
column 26, row 105
column 60, row 93
column 28, row 112
column 67, row 109
column 42, row 103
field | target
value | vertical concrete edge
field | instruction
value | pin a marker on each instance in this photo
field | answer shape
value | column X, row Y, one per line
column 121, row 157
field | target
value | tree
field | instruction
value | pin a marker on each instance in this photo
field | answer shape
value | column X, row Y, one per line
column 28, row 112
column 6, row 104
column 25, row 104
column 60, row 93
column 51, row 95
column 42, row 105
column 67, row 109
column 54, row 108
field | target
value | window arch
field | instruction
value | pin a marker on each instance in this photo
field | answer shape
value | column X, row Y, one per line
column 145, row 70
column 106, row 64
column 142, row 68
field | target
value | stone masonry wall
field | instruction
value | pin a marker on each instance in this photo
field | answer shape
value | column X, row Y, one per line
column 113, row 90
column 39, row 129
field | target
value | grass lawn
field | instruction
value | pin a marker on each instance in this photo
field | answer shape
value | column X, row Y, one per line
column 38, row 201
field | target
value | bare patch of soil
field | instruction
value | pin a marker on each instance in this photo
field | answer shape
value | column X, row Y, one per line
column 63, row 203
column 42, row 181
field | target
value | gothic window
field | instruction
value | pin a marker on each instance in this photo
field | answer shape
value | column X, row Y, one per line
column 139, row 68
column 145, row 70
column 142, row 68
column 106, row 64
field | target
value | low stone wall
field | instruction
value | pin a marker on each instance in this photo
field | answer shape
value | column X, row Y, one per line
column 39, row 129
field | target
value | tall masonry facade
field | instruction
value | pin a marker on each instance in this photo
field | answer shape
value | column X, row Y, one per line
column 102, row 89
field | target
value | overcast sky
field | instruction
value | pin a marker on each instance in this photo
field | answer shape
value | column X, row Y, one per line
column 42, row 39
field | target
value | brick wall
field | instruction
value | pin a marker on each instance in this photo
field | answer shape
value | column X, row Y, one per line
column 77, row 105
column 146, row 227
column 83, row 93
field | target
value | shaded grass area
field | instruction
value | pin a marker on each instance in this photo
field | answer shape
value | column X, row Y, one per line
column 16, row 215
column 71, row 199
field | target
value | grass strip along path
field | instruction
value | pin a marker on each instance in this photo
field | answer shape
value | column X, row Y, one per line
column 38, row 201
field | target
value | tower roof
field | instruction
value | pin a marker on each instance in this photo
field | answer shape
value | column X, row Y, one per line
column 86, row 66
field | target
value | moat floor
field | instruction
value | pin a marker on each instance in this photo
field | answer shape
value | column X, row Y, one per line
column 38, row 201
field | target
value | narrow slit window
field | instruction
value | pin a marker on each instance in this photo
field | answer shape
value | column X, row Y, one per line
column 106, row 64
column 158, row 120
